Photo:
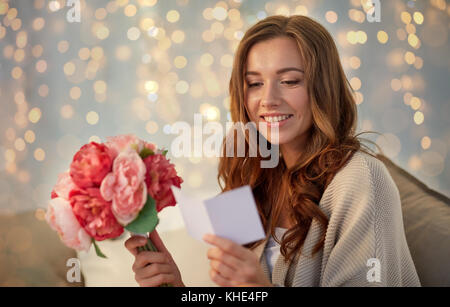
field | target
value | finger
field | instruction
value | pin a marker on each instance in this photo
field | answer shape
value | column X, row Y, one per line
column 154, row 236
column 153, row 270
column 215, row 253
column 223, row 269
column 156, row 280
column 133, row 243
column 144, row 258
column 225, row 244
column 219, row 279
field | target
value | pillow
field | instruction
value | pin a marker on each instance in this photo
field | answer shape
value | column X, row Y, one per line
column 426, row 217
column 31, row 253
column 188, row 253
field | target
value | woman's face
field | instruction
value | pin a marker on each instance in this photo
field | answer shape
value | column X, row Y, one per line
column 275, row 91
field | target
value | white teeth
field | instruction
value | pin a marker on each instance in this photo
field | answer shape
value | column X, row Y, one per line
column 274, row 119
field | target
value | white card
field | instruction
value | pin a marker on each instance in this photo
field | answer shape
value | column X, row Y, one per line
column 232, row 215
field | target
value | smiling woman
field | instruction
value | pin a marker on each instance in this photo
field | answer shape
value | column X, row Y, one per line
column 332, row 202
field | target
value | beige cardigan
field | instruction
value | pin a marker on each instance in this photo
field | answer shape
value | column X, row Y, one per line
column 363, row 205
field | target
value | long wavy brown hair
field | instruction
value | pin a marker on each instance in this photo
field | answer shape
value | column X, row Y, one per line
column 331, row 139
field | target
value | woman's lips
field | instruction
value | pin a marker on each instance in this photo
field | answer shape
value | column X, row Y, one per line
column 277, row 124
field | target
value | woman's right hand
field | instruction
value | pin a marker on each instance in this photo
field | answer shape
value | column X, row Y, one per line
column 152, row 269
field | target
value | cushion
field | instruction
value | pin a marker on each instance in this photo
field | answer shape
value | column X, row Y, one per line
column 31, row 253
column 426, row 217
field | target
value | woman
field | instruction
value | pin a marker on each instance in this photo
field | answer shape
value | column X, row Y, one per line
column 331, row 211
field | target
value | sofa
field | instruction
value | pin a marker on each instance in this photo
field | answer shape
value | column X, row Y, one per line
column 31, row 254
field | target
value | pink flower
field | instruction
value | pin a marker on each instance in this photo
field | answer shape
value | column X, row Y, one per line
column 120, row 143
column 63, row 186
column 60, row 217
column 150, row 146
column 125, row 186
column 90, row 165
column 161, row 175
column 94, row 214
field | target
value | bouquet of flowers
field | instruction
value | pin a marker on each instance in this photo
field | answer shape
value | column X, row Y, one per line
column 120, row 184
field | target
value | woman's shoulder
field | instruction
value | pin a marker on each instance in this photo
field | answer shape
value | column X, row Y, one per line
column 363, row 179
column 362, row 167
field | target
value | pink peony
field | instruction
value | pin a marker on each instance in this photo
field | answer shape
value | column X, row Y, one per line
column 161, row 175
column 94, row 214
column 63, row 186
column 125, row 186
column 90, row 165
column 150, row 146
column 60, row 217
column 120, row 143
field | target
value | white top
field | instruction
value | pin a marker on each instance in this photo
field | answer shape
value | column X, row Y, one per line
column 272, row 250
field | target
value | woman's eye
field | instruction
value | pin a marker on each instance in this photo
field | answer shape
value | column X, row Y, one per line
column 291, row 82
column 254, row 84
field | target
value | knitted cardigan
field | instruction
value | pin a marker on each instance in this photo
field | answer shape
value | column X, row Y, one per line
column 365, row 242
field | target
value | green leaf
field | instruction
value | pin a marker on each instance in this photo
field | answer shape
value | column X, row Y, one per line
column 146, row 152
column 147, row 219
column 165, row 152
column 97, row 250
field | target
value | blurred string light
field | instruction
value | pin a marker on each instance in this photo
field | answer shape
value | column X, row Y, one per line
column 153, row 41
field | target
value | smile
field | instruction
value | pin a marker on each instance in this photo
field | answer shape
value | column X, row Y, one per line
column 276, row 119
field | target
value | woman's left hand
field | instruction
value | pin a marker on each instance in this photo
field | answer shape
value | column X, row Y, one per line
column 234, row 265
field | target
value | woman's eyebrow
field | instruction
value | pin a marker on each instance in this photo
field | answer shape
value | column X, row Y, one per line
column 280, row 71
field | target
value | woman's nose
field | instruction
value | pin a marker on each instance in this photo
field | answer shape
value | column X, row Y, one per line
column 270, row 96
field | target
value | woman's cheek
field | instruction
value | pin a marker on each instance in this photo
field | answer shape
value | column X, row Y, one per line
column 299, row 102
column 252, row 108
